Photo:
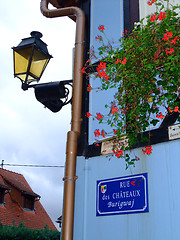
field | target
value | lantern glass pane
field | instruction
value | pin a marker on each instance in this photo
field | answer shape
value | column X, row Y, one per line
column 21, row 61
column 29, row 78
column 38, row 64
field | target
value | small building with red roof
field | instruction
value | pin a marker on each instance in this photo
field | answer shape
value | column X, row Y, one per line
column 18, row 203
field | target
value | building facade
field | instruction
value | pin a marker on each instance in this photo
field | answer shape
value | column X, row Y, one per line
column 106, row 193
column 18, row 203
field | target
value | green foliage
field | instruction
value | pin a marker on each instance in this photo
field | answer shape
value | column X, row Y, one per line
column 145, row 70
column 22, row 233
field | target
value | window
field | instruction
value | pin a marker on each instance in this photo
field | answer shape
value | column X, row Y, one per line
column 3, row 190
column 28, row 203
column 2, row 196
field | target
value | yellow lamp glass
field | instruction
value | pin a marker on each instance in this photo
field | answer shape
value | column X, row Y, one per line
column 30, row 58
column 38, row 63
column 29, row 64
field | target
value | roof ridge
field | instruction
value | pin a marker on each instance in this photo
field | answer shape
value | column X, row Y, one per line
column 17, row 180
column 10, row 171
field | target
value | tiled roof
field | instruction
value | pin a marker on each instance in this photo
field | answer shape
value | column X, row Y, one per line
column 2, row 184
column 16, row 180
column 12, row 209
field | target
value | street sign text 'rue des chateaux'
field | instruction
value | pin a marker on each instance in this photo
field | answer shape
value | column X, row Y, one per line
column 122, row 195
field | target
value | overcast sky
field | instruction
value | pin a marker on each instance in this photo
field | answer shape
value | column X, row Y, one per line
column 29, row 133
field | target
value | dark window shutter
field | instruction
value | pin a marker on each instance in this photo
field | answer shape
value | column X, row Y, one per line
column 131, row 13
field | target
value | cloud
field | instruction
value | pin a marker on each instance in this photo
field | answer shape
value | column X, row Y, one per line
column 29, row 133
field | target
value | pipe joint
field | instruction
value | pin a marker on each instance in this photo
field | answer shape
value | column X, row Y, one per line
column 70, row 179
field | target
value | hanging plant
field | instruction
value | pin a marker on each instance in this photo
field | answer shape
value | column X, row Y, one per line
column 145, row 72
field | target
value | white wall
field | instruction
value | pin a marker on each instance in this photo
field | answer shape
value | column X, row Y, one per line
column 109, row 14
column 162, row 220
column 162, row 166
column 145, row 9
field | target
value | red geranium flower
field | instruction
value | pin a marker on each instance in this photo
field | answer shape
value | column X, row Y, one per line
column 123, row 61
column 101, row 66
column 167, row 36
column 89, row 88
column 101, row 28
column 151, row 2
column 118, row 61
column 170, row 110
column 99, row 116
column 97, row 133
column 148, row 150
column 103, row 133
column 171, row 50
column 174, row 40
column 153, row 18
column 119, row 153
column 114, row 110
column 106, row 78
column 176, row 109
column 115, row 131
column 162, row 15
column 124, row 33
column 88, row 114
column 82, row 70
column 160, row 116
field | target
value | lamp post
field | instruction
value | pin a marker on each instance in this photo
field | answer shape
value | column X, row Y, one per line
column 27, row 75
column 31, row 57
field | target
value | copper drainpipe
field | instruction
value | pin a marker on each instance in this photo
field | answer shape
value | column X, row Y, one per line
column 73, row 135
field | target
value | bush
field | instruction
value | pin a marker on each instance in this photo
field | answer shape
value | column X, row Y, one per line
column 22, row 233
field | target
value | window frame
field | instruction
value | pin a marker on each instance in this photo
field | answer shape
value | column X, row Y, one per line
column 131, row 10
column 2, row 196
column 3, row 190
column 131, row 15
column 28, row 202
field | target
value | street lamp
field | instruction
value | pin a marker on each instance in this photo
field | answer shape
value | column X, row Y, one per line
column 30, row 59
column 75, row 132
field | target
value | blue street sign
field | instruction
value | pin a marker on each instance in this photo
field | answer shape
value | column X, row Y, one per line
column 122, row 195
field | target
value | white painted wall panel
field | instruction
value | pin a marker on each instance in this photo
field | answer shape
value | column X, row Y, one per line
column 162, row 221
column 109, row 14
column 145, row 9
